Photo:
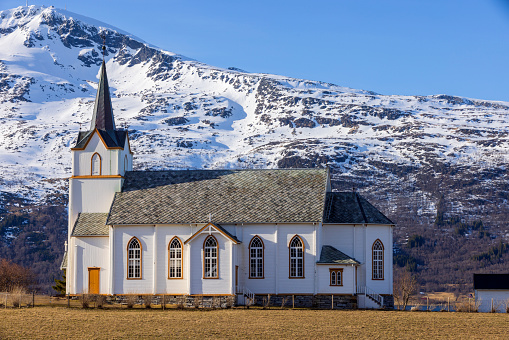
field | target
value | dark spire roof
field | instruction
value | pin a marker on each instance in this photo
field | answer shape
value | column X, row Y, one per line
column 103, row 120
column 103, row 111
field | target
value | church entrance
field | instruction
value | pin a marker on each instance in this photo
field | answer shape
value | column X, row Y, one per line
column 93, row 280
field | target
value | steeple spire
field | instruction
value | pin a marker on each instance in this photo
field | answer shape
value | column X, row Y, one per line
column 103, row 111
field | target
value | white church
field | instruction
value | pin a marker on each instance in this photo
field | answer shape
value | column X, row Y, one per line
column 244, row 234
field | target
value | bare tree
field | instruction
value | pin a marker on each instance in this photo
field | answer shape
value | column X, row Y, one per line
column 13, row 276
column 405, row 284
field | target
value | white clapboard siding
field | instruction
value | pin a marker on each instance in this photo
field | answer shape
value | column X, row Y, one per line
column 201, row 285
column 91, row 252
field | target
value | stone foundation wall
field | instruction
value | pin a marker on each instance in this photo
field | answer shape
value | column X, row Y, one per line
column 307, row 301
column 209, row 301
column 185, row 301
column 388, row 301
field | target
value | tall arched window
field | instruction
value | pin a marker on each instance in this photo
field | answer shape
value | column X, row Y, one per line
column 134, row 259
column 95, row 165
column 256, row 258
column 296, row 257
column 175, row 259
column 126, row 163
column 210, row 270
column 378, row 260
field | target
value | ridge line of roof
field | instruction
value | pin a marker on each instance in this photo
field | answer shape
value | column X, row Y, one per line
column 361, row 207
column 388, row 219
column 284, row 169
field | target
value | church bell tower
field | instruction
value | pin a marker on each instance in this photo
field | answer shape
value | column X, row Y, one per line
column 100, row 159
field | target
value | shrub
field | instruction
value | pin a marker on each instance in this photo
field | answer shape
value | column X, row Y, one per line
column 284, row 301
column 100, row 300
column 181, row 301
column 197, row 301
column 131, row 300
column 18, row 296
column 467, row 306
column 147, row 300
column 266, row 302
column 415, row 308
column 506, row 305
column 85, row 300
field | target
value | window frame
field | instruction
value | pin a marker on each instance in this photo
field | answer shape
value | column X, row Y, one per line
column 336, row 271
column 297, row 258
column 205, row 257
column 140, row 259
column 251, row 276
column 375, row 274
column 92, row 164
column 176, row 238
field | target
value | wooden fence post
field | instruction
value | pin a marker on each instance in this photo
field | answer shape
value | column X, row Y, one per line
column 332, row 305
column 33, row 298
column 448, row 304
column 293, row 301
column 164, row 301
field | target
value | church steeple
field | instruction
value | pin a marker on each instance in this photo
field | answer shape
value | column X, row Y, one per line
column 102, row 118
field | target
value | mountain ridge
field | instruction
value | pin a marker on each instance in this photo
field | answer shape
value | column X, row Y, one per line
column 414, row 157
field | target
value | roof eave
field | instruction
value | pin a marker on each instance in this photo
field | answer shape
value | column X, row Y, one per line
column 339, row 263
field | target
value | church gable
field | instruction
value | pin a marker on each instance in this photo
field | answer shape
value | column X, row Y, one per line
column 213, row 228
column 113, row 139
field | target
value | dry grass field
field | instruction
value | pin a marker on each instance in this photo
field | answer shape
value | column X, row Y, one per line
column 63, row 323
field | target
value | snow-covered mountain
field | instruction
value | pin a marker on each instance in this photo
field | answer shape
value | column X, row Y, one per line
column 185, row 114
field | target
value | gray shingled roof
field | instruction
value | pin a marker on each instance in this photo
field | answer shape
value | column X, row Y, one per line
column 231, row 196
column 350, row 207
column 91, row 224
column 63, row 265
column 331, row 255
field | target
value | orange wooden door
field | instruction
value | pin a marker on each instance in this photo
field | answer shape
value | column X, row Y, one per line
column 93, row 280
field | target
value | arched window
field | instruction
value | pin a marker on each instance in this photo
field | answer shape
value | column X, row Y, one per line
column 134, row 259
column 95, row 165
column 296, row 257
column 378, row 260
column 175, row 259
column 210, row 270
column 336, row 276
column 256, row 258
column 126, row 163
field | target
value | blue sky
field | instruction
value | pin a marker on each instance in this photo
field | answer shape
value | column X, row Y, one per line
column 410, row 47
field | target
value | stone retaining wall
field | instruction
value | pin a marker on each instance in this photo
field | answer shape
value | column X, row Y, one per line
column 388, row 301
column 307, row 301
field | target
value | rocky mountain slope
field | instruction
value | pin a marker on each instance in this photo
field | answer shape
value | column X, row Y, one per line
column 412, row 156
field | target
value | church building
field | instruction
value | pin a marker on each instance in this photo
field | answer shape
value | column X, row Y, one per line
column 252, row 235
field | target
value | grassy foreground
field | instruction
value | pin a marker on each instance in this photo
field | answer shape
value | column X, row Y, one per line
column 58, row 322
